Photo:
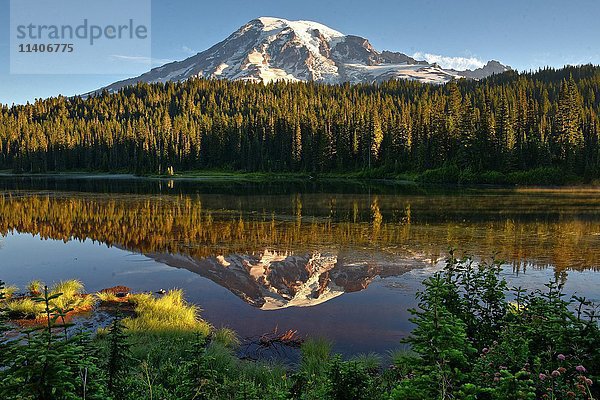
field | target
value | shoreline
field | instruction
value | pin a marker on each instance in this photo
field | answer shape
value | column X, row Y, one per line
column 299, row 177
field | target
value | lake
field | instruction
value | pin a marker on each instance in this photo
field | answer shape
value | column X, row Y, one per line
column 341, row 260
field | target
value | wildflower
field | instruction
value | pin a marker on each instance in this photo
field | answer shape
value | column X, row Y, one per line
column 580, row 368
column 485, row 350
column 561, row 357
column 542, row 376
column 562, row 370
column 502, row 367
column 589, row 382
column 496, row 379
column 555, row 373
column 571, row 394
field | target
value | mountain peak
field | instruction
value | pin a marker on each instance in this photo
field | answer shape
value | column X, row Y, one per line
column 270, row 49
column 274, row 23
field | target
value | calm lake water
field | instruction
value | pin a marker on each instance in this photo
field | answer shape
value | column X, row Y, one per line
column 338, row 260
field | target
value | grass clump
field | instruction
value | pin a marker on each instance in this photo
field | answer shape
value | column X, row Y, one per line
column 24, row 308
column 169, row 313
column 315, row 354
column 72, row 296
column 227, row 337
column 9, row 291
column 370, row 361
column 35, row 287
column 107, row 297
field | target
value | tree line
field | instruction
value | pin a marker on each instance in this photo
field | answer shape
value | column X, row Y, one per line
column 508, row 122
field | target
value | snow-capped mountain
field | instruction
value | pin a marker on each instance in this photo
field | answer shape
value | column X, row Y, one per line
column 269, row 49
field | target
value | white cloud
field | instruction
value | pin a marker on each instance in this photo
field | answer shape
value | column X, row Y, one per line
column 155, row 62
column 457, row 63
column 189, row 51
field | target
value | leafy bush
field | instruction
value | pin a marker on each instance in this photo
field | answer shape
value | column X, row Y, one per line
column 541, row 176
column 448, row 174
column 525, row 350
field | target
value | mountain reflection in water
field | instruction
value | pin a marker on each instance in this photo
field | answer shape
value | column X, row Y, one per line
column 278, row 280
column 253, row 247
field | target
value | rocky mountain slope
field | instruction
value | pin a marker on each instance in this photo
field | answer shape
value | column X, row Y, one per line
column 271, row 49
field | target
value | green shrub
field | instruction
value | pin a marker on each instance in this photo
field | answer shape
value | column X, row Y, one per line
column 448, row 174
column 46, row 364
column 541, row 176
column 493, row 178
column 524, row 350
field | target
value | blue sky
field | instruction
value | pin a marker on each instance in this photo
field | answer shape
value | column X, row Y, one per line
column 523, row 34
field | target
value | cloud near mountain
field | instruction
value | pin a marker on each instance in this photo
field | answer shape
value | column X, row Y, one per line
column 456, row 63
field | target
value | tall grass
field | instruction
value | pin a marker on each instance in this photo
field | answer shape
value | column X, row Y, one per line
column 315, row 354
column 169, row 313
column 221, row 359
column 227, row 337
column 370, row 361
column 266, row 375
